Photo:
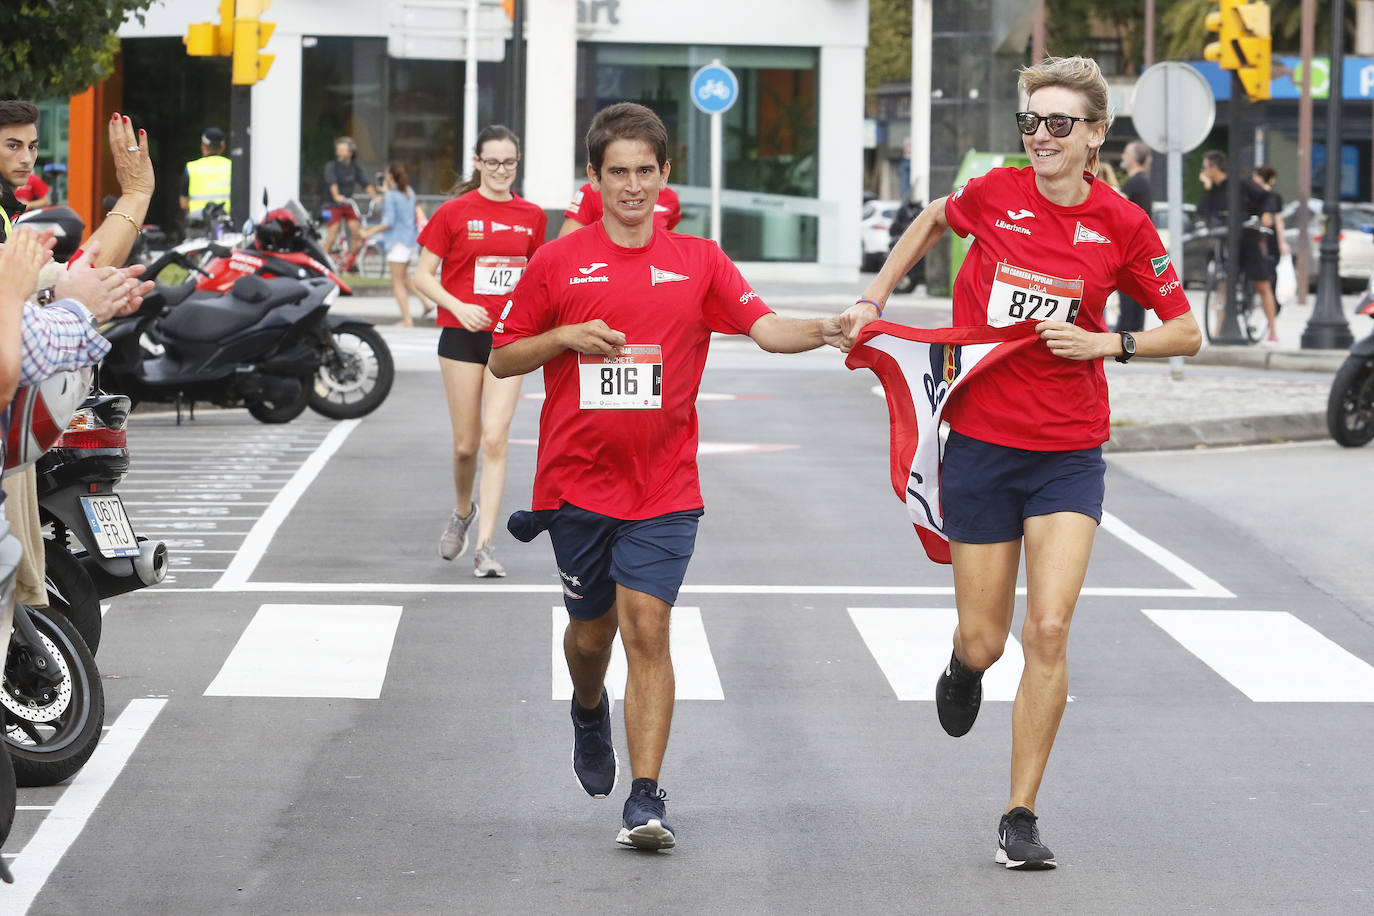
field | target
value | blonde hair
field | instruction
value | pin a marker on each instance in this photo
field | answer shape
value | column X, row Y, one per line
column 1080, row 74
column 1103, row 171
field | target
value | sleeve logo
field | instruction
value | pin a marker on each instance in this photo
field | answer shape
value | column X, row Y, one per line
column 1160, row 265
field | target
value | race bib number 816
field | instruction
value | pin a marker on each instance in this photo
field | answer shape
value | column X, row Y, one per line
column 632, row 379
column 1025, row 295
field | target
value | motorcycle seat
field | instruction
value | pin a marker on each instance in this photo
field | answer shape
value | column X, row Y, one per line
column 247, row 303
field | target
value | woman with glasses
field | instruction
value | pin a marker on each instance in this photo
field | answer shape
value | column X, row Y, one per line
column 1023, row 461
column 480, row 242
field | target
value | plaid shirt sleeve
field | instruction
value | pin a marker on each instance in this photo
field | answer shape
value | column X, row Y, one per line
column 56, row 339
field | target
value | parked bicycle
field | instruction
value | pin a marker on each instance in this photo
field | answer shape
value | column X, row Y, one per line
column 1250, row 319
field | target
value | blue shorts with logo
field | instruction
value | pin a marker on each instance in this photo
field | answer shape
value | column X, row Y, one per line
column 596, row 552
column 987, row 491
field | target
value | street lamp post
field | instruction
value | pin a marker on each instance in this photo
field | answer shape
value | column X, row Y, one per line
column 1327, row 329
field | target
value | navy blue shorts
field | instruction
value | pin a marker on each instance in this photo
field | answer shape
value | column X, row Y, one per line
column 987, row 491
column 597, row 552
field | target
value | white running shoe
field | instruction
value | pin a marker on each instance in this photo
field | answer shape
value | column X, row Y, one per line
column 485, row 565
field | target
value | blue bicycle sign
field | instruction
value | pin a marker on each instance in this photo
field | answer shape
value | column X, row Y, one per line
column 714, row 89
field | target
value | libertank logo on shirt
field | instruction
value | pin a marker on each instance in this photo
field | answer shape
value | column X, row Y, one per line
column 590, row 275
column 1011, row 227
column 658, row 275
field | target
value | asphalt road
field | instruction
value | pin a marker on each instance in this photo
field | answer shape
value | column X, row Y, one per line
column 318, row 715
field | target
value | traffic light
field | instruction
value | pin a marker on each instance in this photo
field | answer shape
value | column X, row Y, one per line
column 210, row 39
column 250, row 36
column 1243, row 44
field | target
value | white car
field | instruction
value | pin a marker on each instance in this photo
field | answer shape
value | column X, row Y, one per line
column 873, row 231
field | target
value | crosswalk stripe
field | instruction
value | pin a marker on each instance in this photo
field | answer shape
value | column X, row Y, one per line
column 912, row 645
column 694, row 668
column 311, row 650
column 1270, row 656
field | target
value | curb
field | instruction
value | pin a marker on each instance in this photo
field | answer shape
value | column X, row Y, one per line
column 1255, row 357
column 1259, row 430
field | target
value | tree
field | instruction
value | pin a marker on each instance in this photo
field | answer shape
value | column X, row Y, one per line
column 60, row 47
column 1183, row 33
column 889, row 43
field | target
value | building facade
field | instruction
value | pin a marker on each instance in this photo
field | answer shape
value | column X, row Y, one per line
column 391, row 76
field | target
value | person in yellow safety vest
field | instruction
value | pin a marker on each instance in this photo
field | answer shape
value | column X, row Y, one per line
column 207, row 179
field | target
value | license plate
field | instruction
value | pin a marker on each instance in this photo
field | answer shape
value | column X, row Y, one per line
column 110, row 525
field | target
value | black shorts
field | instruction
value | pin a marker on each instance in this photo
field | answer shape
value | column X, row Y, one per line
column 988, row 491
column 465, row 346
column 1258, row 256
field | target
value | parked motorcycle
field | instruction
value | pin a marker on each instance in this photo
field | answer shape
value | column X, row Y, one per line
column 1350, row 408
column 10, row 555
column 268, row 344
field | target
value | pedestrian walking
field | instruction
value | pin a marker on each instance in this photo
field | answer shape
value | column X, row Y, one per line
column 399, row 238
column 620, row 317
column 483, row 239
column 1023, row 462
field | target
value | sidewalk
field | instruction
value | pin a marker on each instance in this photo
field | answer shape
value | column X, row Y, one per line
column 1226, row 395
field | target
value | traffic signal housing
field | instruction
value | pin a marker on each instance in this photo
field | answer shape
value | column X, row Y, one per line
column 212, row 39
column 1243, row 44
column 250, row 36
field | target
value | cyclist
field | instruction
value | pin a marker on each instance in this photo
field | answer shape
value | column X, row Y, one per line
column 1258, row 249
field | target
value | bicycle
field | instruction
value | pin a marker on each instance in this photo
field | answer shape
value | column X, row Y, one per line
column 1250, row 317
column 370, row 260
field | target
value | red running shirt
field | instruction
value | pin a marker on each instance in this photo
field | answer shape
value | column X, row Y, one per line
column 1033, row 260
column 586, row 207
column 618, row 436
column 484, row 246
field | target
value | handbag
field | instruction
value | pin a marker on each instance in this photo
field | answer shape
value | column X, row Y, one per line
column 1285, row 278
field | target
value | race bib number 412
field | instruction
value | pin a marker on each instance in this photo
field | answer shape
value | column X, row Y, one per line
column 1025, row 295
column 632, row 379
column 494, row 276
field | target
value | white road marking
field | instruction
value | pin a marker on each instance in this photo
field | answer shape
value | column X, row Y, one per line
column 1204, row 586
column 256, row 544
column 694, row 668
column 911, row 645
column 311, row 650
column 35, row 863
column 1270, row 656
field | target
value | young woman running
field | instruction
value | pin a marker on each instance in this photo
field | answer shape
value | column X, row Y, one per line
column 482, row 239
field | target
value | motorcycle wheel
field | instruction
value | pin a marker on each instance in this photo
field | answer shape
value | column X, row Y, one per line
column 71, row 592
column 283, row 411
column 51, row 733
column 357, row 384
column 906, row 282
column 1350, row 408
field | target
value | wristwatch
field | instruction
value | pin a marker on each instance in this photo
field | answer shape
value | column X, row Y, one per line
column 1127, row 347
column 46, row 296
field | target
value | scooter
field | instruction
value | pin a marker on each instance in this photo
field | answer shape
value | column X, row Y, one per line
column 1350, row 408
column 270, row 345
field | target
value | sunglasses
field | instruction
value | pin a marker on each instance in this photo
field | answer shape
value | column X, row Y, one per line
column 1059, row 125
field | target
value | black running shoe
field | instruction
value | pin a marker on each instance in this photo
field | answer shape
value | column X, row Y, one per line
column 646, row 827
column 593, row 757
column 1018, row 842
column 958, row 694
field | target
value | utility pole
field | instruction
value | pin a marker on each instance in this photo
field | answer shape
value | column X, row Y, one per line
column 1304, row 214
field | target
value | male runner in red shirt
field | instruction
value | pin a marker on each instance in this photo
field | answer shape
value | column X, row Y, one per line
column 620, row 316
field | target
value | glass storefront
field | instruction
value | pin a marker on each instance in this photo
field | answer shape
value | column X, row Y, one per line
column 770, row 137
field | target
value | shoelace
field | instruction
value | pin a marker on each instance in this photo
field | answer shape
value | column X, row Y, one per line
column 1022, row 827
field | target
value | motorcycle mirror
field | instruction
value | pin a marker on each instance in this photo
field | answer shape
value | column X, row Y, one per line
column 264, row 197
column 247, row 227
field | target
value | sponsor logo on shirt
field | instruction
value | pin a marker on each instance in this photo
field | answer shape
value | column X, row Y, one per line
column 659, row 208
column 1160, row 264
column 505, row 312
column 576, row 201
column 500, row 227
column 959, row 193
column 1082, row 233
column 1022, row 214
column 595, row 266
column 1169, row 287
column 748, row 297
column 475, row 229
column 658, row 275
column 598, row 278
column 1012, row 227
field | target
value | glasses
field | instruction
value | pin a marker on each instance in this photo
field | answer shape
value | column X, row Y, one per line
column 492, row 165
column 1059, row 125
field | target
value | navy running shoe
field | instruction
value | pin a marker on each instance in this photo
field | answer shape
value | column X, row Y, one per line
column 593, row 756
column 1018, row 842
column 645, row 824
column 958, row 695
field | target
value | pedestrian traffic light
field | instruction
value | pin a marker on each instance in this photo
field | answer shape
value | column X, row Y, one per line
column 210, row 39
column 250, row 36
column 1243, row 44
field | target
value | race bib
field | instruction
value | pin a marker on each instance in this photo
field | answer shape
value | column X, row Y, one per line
column 1025, row 295
column 632, row 379
column 496, row 276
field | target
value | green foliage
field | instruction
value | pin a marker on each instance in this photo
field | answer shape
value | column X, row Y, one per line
column 1070, row 23
column 889, row 43
column 1183, row 34
column 60, row 47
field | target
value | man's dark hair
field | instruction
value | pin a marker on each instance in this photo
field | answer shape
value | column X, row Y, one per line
column 625, row 121
column 1214, row 157
column 13, row 111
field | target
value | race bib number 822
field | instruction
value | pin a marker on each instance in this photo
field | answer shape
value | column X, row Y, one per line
column 1026, row 295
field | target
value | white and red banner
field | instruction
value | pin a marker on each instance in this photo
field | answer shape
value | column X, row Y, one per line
column 921, row 369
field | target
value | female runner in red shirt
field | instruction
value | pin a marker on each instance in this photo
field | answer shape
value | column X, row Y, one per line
column 483, row 239
column 1023, row 462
